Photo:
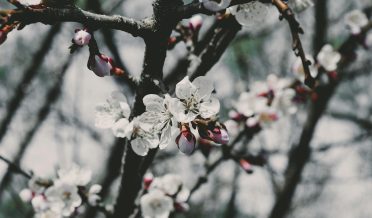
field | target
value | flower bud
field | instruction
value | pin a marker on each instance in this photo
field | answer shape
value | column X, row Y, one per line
column 219, row 135
column 26, row 195
column 82, row 37
column 246, row 166
column 186, row 141
column 196, row 22
column 147, row 180
column 102, row 66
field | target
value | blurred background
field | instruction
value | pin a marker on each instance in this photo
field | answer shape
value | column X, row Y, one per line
column 48, row 98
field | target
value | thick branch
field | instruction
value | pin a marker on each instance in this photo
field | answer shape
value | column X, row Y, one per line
column 74, row 14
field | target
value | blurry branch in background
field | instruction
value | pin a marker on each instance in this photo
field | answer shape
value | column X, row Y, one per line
column 231, row 211
column 30, row 73
column 15, row 168
column 301, row 153
column 365, row 124
column 51, row 98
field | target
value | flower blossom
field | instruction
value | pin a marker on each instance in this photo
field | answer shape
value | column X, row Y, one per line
column 299, row 71
column 176, row 194
column 93, row 197
column 114, row 113
column 328, row 58
column 249, row 14
column 74, row 175
column 63, row 198
column 143, row 137
column 186, row 140
column 355, row 21
column 194, row 99
column 301, row 5
column 158, row 114
column 156, row 204
column 214, row 6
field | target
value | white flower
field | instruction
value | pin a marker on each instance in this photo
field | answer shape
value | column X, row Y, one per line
column 298, row 68
column 63, row 198
column 156, row 204
column 250, row 14
column 48, row 214
column 214, row 6
column 82, row 37
column 249, row 104
column 355, row 20
column 170, row 184
column 111, row 112
column 194, row 99
column 300, row 5
column 328, row 58
column 159, row 115
column 75, row 175
column 142, row 137
column 283, row 101
column 39, row 203
column 26, row 195
column 93, row 197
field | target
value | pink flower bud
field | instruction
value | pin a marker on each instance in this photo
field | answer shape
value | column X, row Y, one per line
column 102, row 66
column 186, row 141
column 82, row 37
column 147, row 180
column 246, row 166
column 219, row 135
column 181, row 207
column 196, row 22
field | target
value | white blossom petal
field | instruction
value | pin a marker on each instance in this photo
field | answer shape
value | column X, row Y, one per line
column 209, row 108
column 184, row 88
column 140, row 146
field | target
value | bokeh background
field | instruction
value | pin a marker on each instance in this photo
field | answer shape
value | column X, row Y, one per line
column 48, row 98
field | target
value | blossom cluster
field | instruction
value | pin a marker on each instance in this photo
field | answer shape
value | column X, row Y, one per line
column 167, row 120
column 264, row 104
column 63, row 196
column 163, row 195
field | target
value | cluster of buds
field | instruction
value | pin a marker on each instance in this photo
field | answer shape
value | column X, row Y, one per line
column 187, row 33
column 100, row 64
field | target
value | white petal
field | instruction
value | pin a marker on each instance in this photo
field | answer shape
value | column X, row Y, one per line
column 168, row 136
column 184, row 88
column 119, row 128
column 178, row 110
column 153, row 103
column 209, row 108
column 204, row 87
column 214, row 6
column 125, row 109
column 139, row 146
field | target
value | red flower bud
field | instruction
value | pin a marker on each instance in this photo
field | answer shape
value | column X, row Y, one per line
column 195, row 23
column 219, row 135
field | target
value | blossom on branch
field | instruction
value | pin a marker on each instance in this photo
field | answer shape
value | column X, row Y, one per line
column 165, row 194
column 250, row 14
column 214, row 5
column 355, row 21
column 328, row 58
